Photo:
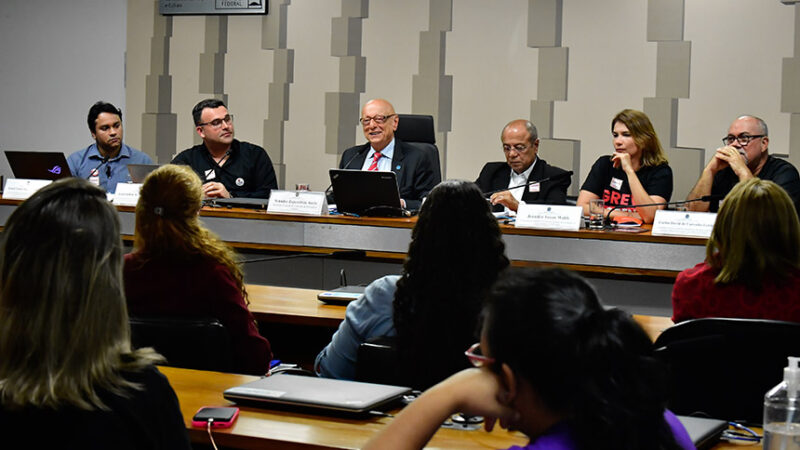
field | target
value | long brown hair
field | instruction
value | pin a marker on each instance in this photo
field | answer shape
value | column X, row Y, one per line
column 643, row 134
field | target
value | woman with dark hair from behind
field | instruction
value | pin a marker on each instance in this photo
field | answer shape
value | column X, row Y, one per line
column 554, row 364
column 68, row 375
column 752, row 266
column 180, row 268
column 456, row 253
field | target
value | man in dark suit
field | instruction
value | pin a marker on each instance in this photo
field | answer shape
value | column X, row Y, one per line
column 521, row 146
column 415, row 174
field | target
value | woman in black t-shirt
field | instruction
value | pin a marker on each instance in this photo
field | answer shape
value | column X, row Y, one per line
column 637, row 172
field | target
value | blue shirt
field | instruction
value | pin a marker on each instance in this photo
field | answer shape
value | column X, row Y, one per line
column 385, row 161
column 82, row 162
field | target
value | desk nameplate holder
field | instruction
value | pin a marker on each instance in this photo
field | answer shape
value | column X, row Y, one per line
column 22, row 188
column 683, row 223
column 127, row 194
column 549, row 217
column 298, row 202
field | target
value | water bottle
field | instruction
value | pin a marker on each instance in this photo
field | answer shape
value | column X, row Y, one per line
column 782, row 411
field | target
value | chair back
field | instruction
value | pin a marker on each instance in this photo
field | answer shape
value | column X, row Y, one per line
column 376, row 361
column 418, row 129
column 723, row 367
column 191, row 343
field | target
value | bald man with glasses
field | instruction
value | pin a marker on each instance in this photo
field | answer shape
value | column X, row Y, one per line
column 416, row 175
column 227, row 167
column 744, row 155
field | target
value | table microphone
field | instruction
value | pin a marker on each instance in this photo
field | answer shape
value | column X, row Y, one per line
column 705, row 198
column 345, row 254
column 551, row 178
column 346, row 165
column 102, row 162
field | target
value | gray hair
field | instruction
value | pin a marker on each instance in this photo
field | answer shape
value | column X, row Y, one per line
column 529, row 126
column 761, row 123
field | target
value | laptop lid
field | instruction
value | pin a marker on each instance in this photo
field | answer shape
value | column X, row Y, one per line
column 366, row 193
column 138, row 172
column 38, row 165
column 705, row 433
column 318, row 393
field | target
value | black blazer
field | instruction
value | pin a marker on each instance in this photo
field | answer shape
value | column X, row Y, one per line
column 416, row 175
column 495, row 175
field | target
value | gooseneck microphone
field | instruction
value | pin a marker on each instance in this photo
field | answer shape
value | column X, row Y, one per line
column 345, row 166
column 543, row 180
column 705, row 198
column 97, row 169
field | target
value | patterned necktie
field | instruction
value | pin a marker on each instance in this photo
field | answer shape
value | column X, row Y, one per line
column 374, row 166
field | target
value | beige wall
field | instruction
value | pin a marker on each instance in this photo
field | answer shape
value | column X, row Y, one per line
column 611, row 66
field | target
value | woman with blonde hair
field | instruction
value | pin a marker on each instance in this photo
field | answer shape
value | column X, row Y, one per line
column 637, row 172
column 752, row 267
column 180, row 268
column 66, row 363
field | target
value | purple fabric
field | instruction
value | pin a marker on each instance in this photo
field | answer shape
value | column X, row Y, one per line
column 560, row 438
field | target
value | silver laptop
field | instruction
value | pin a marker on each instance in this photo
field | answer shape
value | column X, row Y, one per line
column 138, row 172
column 705, row 433
column 317, row 393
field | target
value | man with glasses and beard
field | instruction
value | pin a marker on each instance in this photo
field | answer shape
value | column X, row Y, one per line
column 227, row 167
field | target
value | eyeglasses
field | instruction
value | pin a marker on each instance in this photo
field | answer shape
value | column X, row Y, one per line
column 380, row 120
column 518, row 148
column 743, row 138
column 474, row 356
column 216, row 123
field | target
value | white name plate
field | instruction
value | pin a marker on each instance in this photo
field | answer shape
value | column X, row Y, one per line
column 127, row 194
column 683, row 223
column 549, row 217
column 298, row 202
column 22, row 188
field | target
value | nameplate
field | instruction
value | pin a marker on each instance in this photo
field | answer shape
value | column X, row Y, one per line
column 549, row 217
column 127, row 194
column 298, row 202
column 683, row 223
column 22, row 188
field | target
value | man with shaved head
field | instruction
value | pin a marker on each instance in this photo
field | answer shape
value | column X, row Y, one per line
column 416, row 176
column 521, row 148
column 745, row 155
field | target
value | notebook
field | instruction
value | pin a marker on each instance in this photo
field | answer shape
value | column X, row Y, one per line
column 138, row 172
column 704, row 432
column 38, row 165
column 325, row 394
column 366, row 193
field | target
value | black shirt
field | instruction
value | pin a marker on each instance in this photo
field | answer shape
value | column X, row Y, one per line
column 777, row 170
column 247, row 172
column 611, row 184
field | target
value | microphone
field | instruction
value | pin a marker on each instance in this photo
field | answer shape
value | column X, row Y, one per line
column 347, row 254
column 345, row 166
column 551, row 178
column 705, row 198
column 102, row 162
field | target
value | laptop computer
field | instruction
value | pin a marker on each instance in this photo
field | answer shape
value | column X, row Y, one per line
column 38, row 165
column 323, row 394
column 705, row 433
column 366, row 193
column 138, row 172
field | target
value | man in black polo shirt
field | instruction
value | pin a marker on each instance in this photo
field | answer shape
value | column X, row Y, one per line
column 745, row 155
column 227, row 167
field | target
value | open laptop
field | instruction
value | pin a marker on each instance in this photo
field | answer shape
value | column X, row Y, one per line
column 138, row 172
column 38, row 165
column 705, row 433
column 366, row 193
column 324, row 394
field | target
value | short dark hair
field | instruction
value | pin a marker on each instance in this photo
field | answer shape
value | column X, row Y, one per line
column 197, row 111
column 101, row 107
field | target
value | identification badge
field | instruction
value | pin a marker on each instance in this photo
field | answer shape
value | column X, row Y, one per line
column 534, row 187
column 616, row 183
column 210, row 174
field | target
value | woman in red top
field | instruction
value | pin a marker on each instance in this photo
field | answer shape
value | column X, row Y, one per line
column 752, row 267
column 179, row 268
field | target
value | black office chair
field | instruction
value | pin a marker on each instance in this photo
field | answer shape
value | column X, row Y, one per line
column 376, row 361
column 191, row 343
column 418, row 130
column 723, row 367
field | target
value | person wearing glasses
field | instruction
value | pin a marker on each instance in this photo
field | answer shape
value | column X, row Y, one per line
column 105, row 163
column 227, row 167
column 553, row 363
column 415, row 172
column 637, row 173
column 521, row 147
column 745, row 155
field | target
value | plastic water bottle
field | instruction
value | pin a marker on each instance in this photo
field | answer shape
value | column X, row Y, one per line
column 782, row 411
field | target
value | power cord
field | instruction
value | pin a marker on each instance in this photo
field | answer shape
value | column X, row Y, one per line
column 741, row 434
column 210, row 436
